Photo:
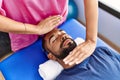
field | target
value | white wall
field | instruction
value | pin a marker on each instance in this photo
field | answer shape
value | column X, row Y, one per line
column 80, row 5
column 115, row 4
column 109, row 26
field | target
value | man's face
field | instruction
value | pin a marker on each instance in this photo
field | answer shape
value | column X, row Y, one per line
column 59, row 43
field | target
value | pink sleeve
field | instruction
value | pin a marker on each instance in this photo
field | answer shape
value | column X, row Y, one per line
column 65, row 12
column 2, row 12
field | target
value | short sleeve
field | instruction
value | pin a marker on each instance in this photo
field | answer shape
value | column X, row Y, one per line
column 2, row 12
column 65, row 12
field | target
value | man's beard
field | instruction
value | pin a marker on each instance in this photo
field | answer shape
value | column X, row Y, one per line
column 65, row 51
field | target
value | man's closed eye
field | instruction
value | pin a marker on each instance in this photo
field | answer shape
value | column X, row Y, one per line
column 53, row 39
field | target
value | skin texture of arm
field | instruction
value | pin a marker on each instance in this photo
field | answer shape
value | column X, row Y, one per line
column 9, row 25
column 91, row 13
column 84, row 50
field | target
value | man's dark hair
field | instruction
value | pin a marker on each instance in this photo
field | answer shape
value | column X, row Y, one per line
column 45, row 50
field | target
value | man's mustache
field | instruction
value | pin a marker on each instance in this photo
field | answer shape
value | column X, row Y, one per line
column 64, row 41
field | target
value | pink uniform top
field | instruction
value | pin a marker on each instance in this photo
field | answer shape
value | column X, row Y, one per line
column 30, row 11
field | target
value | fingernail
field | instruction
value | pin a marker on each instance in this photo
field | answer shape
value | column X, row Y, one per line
column 77, row 62
column 70, row 64
column 66, row 62
column 60, row 16
column 70, row 52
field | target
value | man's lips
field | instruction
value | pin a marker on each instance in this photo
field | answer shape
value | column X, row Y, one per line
column 66, row 42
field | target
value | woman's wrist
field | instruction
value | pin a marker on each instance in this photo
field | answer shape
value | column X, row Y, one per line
column 94, row 41
column 30, row 29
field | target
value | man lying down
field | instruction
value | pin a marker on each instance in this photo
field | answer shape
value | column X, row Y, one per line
column 103, row 64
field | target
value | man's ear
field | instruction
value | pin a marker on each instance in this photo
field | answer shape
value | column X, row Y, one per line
column 51, row 56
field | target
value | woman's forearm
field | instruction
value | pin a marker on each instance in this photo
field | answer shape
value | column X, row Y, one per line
column 91, row 13
column 9, row 25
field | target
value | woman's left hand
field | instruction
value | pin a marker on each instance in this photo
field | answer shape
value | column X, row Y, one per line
column 80, row 53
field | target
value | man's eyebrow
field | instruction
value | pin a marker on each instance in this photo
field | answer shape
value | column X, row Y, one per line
column 50, row 38
column 60, row 30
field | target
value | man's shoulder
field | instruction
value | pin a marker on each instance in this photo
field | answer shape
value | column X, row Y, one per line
column 104, row 51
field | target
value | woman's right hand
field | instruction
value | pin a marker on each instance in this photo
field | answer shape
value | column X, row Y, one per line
column 48, row 24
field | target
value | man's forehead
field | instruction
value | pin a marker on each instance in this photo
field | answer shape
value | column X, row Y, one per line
column 53, row 32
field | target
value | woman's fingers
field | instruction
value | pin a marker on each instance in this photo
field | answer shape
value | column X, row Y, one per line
column 74, row 54
column 53, row 21
column 48, row 24
column 81, row 58
column 80, row 53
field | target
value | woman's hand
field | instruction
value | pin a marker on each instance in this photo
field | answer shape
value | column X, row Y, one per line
column 80, row 53
column 48, row 24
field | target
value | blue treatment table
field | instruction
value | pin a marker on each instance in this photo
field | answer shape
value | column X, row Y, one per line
column 24, row 64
